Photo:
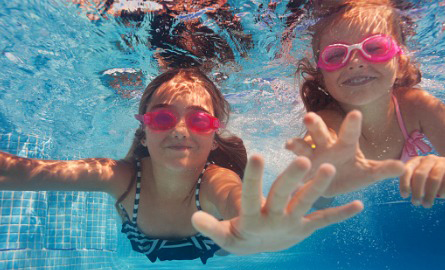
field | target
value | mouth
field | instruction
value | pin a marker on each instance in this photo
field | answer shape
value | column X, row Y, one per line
column 358, row 80
column 179, row 147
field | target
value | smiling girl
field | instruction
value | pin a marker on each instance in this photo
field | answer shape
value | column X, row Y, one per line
column 364, row 72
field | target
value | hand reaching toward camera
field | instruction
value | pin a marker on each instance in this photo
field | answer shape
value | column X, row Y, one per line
column 280, row 221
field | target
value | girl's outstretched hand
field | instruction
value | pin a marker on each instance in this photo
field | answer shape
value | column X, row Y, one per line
column 278, row 222
column 354, row 171
column 425, row 178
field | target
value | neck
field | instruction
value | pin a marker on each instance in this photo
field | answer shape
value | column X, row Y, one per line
column 378, row 116
column 169, row 183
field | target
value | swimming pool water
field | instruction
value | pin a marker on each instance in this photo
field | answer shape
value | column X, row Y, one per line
column 55, row 103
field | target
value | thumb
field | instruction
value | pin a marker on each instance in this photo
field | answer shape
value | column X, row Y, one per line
column 299, row 146
column 210, row 227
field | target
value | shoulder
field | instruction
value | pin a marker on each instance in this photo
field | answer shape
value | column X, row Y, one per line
column 216, row 175
column 214, row 169
column 217, row 185
column 417, row 99
column 121, row 175
column 414, row 96
column 420, row 106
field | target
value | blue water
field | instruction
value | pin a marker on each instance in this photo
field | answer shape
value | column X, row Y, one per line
column 55, row 103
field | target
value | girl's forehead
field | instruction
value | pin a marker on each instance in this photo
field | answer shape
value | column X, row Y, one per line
column 353, row 30
column 182, row 96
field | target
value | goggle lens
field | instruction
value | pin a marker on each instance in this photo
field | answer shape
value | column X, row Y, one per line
column 164, row 119
column 335, row 55
column 377, row 48
column 199, row 122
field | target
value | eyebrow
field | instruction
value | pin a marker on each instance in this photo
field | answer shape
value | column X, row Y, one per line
column 194, row 107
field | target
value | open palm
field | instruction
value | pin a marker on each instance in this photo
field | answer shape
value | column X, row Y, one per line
column 354, row 171
column 278, row 222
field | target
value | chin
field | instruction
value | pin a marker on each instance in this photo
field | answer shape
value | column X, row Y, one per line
column 360, row 97
column 182, row 164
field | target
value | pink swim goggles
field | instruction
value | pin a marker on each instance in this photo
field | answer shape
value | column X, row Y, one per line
column 165, row 119
column 376, row 48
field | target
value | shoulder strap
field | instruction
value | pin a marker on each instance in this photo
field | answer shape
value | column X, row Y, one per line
column 138, row 191
column 399, row 118
column 198, row 186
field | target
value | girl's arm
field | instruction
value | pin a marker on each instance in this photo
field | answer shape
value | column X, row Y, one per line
column 94, row 174
column 430, row 113
column 424, row 176
column 222, row 188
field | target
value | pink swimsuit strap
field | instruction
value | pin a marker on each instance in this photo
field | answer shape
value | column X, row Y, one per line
column 413, row 142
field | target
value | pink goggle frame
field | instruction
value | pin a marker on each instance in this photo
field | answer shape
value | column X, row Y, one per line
column 376, row 48
column 165, row 119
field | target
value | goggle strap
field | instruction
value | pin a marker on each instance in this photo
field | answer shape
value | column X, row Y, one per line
column 139, row 117
column 216, row 124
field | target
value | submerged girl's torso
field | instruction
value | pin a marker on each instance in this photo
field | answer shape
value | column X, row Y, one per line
column 161, row 215
column 387, row 141
column 161, row 227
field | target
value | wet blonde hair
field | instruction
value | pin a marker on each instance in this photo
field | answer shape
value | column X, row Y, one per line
column 379, row 12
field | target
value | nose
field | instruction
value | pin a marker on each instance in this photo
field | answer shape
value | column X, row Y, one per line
column 180, row 131
column 356, row 61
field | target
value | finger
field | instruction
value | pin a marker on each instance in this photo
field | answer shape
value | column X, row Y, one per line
column 252, row 186
column 317, row 128
column 303, row 200
column 299, row 146
column 351, row 128
column 211, row 227
column 386, row 169
column 432, row 184
column 325, row 217
column 405, row 179
column 419, row 178
column 441, row 191
column 285, row 184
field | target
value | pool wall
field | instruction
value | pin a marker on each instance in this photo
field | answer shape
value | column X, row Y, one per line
column 58, row 229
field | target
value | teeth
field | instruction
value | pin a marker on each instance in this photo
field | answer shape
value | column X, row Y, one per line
column 360, row 79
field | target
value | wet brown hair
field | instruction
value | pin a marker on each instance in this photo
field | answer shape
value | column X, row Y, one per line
column 230, row 153
column 313, row 91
